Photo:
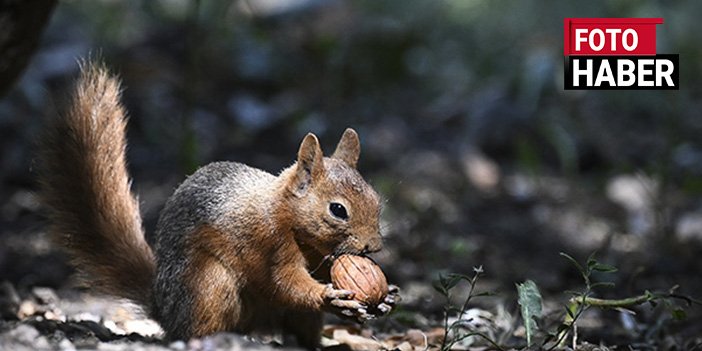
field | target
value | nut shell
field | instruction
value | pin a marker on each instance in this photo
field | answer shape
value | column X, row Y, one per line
column 362, row 276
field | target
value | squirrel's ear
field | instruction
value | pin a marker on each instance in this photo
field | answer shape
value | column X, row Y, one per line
column 310, row 165
column 349, row 148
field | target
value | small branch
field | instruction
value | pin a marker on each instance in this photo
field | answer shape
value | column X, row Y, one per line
column 606, row 303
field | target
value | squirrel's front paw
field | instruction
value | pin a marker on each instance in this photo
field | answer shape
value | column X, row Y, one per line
column 389, row 302
column 341, row 303
column 330, row 293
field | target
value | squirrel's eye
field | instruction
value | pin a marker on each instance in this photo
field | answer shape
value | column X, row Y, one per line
column 338, row 210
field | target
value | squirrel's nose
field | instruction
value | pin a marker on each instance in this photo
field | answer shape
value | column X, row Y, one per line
column 374, row 245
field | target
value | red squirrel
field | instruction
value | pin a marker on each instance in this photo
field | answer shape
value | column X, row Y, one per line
column 234, row 246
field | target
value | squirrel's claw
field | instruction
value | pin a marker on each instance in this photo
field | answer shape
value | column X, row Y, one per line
column 341, row 302
column 384, row 308
column 351, row 309
column 348, row 305
column 388, row 303
column 393, row 296
column 331, row 294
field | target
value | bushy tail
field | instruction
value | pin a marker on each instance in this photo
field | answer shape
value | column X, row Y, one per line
column 85, row 185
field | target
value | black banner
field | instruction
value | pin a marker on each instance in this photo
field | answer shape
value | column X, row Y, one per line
column 659, row 72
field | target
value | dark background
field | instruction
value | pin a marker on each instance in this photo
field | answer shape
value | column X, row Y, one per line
column 482, row 156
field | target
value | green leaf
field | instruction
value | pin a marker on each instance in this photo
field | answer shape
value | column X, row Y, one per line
column 591, row 261
column 450, row 281
column 605, row 284
column 679, row 314
column 440, row 288
column 445, row 283
column 601, row 267
column 484, row 293
column 530, row 307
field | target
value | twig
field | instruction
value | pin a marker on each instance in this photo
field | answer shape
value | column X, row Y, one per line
column 607, row 303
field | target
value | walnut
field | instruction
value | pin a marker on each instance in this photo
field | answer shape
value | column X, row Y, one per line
column 362, row 276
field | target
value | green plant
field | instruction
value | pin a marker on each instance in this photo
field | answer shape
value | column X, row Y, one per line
column 530, row 307
column 453, row 332
column 578, row 303
column 530, row 302
column 583, row 300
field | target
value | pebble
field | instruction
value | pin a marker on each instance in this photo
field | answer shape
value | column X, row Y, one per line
column 26, row 309
column 66, row 345
column 178, row 345
column 23, row 337
column 146, row 327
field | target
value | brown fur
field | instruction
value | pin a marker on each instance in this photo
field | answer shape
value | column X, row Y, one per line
column 236, row 246
column 216, row 306
column 265, row 285
column 250, row 270
column 85, row 185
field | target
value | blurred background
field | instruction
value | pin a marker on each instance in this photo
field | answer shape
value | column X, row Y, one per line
column 481, row 156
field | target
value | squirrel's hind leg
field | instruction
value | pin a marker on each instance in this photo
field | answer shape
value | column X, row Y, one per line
column 216, row 303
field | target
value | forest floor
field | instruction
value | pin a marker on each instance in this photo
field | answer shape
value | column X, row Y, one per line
column 64, row 317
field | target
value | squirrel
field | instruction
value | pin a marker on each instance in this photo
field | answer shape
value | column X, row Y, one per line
column 234, row 247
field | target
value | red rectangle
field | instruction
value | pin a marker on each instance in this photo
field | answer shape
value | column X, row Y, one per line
column 594, row 36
